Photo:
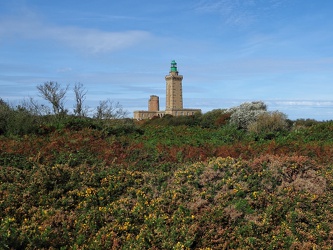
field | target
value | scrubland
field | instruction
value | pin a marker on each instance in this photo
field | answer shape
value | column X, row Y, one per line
column 199, row 182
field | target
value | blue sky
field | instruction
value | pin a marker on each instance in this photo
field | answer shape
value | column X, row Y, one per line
column 229, row 51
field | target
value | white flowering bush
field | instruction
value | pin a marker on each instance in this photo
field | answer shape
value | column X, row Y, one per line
column 255, row 118
column 245, row 114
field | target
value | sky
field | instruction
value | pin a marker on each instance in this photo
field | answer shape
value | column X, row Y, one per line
column 228, row 51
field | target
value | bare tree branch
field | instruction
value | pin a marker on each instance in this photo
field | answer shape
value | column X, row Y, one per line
column 107, row 109
column 34, row 108
column 80, row 96
column 52, row 92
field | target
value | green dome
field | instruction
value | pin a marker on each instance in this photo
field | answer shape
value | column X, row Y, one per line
column 173, row 66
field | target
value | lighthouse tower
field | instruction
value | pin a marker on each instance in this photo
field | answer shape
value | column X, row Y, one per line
column 174, row 99
column 174, row 92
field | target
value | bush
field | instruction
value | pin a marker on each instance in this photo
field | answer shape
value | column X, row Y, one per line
column 246, row 113
column 215, row 118
column 17, row 121
column 169, row 120
column 4, row 114
column 77, row 123
column 269, row 122
column 305, row 122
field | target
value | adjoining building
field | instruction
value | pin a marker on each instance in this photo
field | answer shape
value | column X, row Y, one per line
column 174, row 99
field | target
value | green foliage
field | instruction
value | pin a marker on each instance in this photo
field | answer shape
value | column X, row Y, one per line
column 170, row 183
column 206, row 204
column 305, row 122
column 76, row 123
column 17, row 121
column 269, row 124
column 169, row 120
column 4, row 114
column 215, row 118
column 212, row 119
column 317, row 132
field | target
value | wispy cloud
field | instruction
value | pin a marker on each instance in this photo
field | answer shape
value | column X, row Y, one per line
column 88, row 40
column 239, row 13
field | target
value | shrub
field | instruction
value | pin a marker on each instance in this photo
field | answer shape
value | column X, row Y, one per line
column 169, row 120
column 223, row 119
column 4, row 113
column 305, row 122
column 269, row 122
column 208, row 120
column 76, row 123
column 17, row 121
column 246, row 113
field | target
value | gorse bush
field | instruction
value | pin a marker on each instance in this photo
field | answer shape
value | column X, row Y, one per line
column 269, row 202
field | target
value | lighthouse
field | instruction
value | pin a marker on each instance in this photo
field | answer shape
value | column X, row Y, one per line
column 174, row 91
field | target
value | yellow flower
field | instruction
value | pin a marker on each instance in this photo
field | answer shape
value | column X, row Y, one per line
column 11, row 219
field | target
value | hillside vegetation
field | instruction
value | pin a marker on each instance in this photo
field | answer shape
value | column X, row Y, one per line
column 220, row 180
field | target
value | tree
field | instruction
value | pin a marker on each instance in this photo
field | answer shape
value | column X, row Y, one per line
column 107, row 109
column 52, row 92
column 80, row 96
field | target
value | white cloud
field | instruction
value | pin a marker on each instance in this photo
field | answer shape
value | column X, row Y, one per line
column 63, row 70
column 303, row 103
column 88, row 40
